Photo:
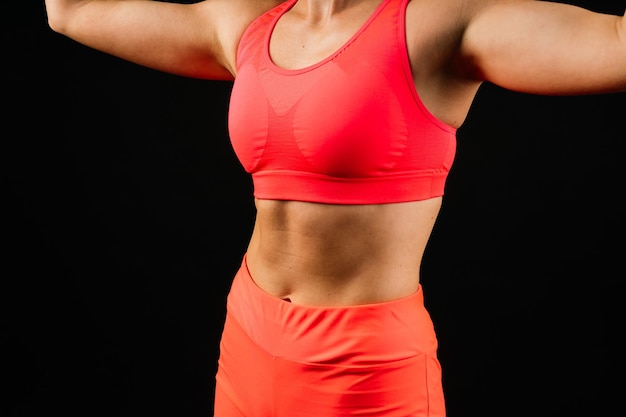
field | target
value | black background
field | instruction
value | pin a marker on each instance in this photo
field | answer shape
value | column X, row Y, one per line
column 126, row 216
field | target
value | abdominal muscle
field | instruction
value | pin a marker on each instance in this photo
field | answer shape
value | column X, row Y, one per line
column 338, row 255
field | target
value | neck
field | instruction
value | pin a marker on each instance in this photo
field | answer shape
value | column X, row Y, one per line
column 320, row 11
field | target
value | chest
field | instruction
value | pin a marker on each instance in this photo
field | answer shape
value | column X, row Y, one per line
column 352, row 112
column 298, row 40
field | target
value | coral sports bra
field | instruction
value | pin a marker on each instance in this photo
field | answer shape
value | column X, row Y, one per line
column 350, row 129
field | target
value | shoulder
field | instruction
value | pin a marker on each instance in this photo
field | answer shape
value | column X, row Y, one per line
column 233, row 16
column 451, row 13
column 230, row 19
column 437, row 28
column 239, row 9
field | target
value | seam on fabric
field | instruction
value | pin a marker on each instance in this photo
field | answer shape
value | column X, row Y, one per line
column 373, row 366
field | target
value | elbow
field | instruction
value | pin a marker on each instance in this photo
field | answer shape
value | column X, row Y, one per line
column 55, row 24
column 57, row 16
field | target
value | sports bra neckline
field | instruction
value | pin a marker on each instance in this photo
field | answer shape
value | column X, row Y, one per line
column 283, row 9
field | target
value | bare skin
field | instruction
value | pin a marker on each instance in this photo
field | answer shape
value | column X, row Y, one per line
column 320, row 254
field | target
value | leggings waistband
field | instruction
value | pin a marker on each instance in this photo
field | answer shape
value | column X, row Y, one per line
column 349, row 335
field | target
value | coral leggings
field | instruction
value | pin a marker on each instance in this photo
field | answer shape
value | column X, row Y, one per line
column 279, row 359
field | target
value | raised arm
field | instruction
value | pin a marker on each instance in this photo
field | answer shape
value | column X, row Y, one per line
column 196, row 40
column 546, row 48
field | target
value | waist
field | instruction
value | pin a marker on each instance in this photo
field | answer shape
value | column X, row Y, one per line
column 368, row 333
column 337, row 255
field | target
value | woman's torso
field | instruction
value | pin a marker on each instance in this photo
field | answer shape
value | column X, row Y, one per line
column 332, row 254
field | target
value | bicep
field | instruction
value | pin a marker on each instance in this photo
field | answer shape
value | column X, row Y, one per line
column 546, row 48
column 171, row 37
